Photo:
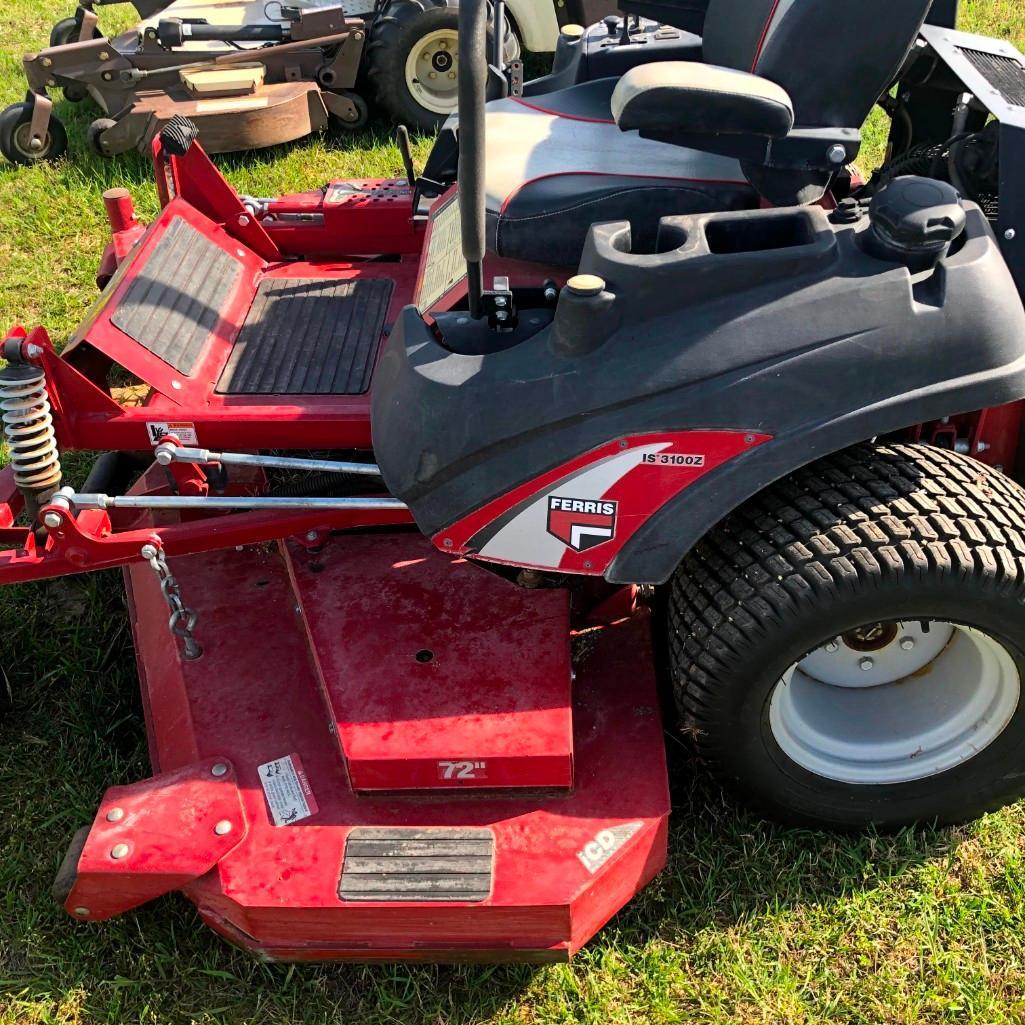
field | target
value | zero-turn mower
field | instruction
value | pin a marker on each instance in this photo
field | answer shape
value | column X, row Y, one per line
column 430, row 472
column 252, row 74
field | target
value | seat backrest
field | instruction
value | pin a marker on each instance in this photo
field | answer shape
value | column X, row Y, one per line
column 834, row 57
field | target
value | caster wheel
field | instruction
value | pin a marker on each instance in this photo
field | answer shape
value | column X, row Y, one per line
column 16, row 141
column 66, row 31
column 95, row 131
column 75, row 92
column 362, row 112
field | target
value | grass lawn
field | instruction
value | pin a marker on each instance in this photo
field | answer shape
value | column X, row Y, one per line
column 750, row 923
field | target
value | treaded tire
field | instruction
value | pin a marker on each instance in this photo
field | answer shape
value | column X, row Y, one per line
column 394, row 33
column 871, row 534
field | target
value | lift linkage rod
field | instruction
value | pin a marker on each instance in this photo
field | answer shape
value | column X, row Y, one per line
column 201, row 502
column 171, row 453
column 83, row 533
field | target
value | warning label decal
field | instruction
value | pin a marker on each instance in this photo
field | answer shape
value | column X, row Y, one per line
column 184, row 432
column 288, row 791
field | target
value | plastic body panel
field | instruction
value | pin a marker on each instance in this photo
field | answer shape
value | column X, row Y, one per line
column 600, row 54
column 807, row 338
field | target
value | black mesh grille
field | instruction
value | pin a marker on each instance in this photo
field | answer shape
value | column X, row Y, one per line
column 1005, row 74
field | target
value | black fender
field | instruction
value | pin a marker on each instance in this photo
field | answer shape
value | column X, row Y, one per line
column 775, row 322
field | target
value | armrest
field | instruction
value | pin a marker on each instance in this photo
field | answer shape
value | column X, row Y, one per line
column 683, row 98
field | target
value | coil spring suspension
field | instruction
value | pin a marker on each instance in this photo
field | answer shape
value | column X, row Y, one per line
column 28, row 431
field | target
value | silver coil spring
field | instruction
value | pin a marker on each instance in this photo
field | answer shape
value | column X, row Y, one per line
column 28, row 431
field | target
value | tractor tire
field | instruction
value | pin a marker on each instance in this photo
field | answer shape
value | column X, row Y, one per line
column 412, row 39
column 66, row 31
column 14, row 136
column 847, row 647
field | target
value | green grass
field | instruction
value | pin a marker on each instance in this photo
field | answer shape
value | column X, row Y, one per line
column 751, row 923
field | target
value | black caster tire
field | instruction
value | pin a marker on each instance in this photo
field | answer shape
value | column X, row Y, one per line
column 75, row 93
column 93, row 133
column 362, row 113
column 66, row 31
column 409, row 41
column 14, row 137
column 847, row 647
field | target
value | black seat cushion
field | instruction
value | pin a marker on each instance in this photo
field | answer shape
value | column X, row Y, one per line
column 558, row 163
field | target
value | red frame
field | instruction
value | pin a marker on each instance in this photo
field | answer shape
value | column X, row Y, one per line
column 293, row 236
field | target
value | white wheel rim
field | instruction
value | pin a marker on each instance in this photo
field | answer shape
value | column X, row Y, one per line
column 432, row 71
column 22, row 138
column 929, row 700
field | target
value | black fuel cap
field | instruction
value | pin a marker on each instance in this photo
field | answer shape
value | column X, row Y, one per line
column 917, row 216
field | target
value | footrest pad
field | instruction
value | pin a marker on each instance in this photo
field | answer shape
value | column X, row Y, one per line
column 399, row 864
column 306, row 336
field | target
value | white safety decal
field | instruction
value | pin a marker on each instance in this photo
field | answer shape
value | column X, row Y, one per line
column 597, row 852
column 288, row 791
column 184, row 432
column 443, row 263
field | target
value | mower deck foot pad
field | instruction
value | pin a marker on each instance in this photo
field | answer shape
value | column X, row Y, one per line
column 174, row 304
column 400, row 864
column 306, row 336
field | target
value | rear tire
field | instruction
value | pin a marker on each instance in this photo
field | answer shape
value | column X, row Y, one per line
column 409, row 41
column 801, row 662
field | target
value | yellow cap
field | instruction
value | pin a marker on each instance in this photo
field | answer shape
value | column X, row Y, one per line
column 585, row 284
column 573, row 31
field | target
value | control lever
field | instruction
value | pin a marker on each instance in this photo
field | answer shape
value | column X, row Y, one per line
column 402, row 141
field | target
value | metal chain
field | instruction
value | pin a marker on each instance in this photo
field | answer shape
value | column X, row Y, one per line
column 183, row 619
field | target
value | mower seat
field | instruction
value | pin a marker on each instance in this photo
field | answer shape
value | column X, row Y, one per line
column 558, row 162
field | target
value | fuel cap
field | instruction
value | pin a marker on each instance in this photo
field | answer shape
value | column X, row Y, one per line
column 917, row 216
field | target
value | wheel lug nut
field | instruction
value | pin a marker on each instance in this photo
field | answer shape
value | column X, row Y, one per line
column 866, row 664
column 832, row 646
column 907, row 643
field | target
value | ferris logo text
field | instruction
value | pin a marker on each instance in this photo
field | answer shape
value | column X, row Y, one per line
column 457, row 771
column 583, row 505
column 671, row 459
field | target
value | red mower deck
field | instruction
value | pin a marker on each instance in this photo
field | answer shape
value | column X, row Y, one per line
column 362, row 877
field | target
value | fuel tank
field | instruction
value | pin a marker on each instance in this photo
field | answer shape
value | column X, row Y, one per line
column 804, row 330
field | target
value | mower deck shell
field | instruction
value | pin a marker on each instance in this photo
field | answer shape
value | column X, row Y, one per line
column 563, row 863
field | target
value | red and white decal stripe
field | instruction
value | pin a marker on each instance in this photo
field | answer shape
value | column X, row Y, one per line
column 640, row 474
